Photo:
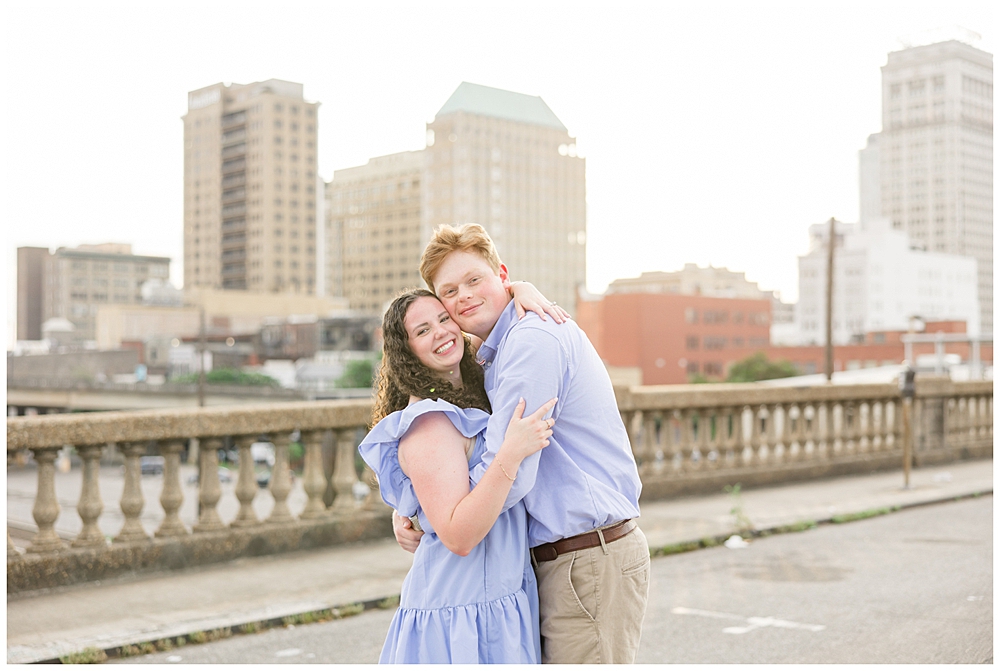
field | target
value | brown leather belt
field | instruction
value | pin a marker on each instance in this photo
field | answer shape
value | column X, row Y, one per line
column 591, row 539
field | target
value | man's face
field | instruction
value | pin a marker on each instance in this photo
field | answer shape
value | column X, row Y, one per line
column 471, row 292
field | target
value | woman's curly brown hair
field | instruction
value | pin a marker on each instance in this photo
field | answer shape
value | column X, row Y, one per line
column 401, row 374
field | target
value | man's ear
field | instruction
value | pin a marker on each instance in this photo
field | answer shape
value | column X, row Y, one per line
column 504, row 278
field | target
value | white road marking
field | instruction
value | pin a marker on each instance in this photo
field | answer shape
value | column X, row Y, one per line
column 752, row 622
column 290, row 652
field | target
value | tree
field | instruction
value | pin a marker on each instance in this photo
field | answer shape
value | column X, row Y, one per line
column 358, row 374
column 757, row 367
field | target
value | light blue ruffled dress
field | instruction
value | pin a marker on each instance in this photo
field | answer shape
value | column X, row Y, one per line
column 482, row 608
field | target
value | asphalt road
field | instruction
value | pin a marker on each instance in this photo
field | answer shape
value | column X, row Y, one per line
column 912, row 587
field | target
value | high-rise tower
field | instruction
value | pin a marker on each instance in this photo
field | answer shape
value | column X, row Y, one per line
column 936, row 153
column 504, row 160
column 250, row 198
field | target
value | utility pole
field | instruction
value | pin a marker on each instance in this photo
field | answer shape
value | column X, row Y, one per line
column 831, row 243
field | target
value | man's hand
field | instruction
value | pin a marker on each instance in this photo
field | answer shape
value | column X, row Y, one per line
column 407, row 537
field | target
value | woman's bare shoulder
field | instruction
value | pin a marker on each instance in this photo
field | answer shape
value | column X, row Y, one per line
column 431, row 426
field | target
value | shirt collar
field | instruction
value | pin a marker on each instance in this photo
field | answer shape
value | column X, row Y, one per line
column 488, row 350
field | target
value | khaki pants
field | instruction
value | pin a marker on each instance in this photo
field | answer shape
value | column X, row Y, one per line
column 592, row 602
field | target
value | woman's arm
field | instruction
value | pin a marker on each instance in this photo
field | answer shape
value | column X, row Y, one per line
column 527, row 297
column 432, row 454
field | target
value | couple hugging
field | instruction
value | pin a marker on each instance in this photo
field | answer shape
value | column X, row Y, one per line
column 515, row 467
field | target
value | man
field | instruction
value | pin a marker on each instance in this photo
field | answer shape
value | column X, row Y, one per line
column 582, row 491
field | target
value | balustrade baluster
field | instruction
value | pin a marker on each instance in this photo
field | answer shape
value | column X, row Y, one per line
column 876, row 419
column 852, row 430
column 988, row 419
column 981, row 420
column 964, row 408
column 638, row 453
column 686, row 447
column 802, row 433
column 769, row 434
column 756, row 439
column 172, row 495
column 46, row 508
column 209, row 491
column 786, row 432
column 710, row 440
column 668, row 438
column 246, row 484
column 132, row 499
column 892, row 424
column 280, row 484
column 951, row 421
column 863, row 421
column 90, row 506
column 344, row 475
column 648, row 443
column 730, row 432
column 738, row 438
column 374, row 498
column 312, row 476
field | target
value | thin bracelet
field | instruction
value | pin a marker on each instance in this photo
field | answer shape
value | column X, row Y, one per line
column 504, row 470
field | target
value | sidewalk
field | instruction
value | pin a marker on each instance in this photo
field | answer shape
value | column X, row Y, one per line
column 128, row 612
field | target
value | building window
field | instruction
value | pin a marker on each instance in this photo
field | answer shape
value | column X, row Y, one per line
column 714, row 342
column 713, row 368
column 690, row 315
column 691, row 342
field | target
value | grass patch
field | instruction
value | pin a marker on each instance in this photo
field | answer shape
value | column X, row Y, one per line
column 796, row 527
column 351, row 609
column 863, row 515
column 388, row 602
column 85, row 656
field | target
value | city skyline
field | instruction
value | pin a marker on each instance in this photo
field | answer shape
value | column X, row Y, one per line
column 706, row 141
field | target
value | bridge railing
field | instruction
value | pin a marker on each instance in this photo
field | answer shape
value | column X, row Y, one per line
column 696, row 438
column 686, row 439
column 167, row 433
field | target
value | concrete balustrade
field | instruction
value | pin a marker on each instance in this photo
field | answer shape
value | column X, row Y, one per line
column 687, row 439
column 691, row 439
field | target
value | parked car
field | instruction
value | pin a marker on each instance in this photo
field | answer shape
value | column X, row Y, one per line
column 225, row 476
column 151, row 465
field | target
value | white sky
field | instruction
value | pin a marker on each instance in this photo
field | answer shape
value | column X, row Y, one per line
column 714, row 132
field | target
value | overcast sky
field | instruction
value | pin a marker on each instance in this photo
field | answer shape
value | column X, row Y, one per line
column 714, row 132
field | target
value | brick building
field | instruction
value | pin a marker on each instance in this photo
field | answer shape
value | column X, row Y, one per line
column 673, row 337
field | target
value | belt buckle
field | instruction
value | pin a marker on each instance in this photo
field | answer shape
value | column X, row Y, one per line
column 545, row 552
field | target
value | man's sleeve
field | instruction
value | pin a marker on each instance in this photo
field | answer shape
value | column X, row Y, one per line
column 533, row 367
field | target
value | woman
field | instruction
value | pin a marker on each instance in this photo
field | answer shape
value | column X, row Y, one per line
column 470, row 596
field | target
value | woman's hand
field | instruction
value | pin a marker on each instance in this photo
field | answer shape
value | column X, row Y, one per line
column 526, row 435
column 527, row 297
column 407, row 537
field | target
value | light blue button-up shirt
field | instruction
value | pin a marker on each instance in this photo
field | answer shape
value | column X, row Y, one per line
column 586, row 477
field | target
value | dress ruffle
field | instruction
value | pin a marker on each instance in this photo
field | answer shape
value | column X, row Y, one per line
column 380, row 450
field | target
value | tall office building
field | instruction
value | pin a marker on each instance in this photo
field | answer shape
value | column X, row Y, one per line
column 31, row 272
column 504, row 160
column 250, row 198
column 936, row 153
column 493, row 157
column 869, row 181
column 373, row 234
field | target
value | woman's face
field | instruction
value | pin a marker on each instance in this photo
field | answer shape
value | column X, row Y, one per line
column 434, row 338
